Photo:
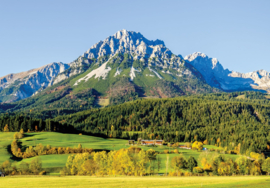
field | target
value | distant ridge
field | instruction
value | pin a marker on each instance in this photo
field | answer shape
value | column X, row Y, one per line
column 148, row 64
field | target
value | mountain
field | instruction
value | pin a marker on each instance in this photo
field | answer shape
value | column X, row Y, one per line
column 152, row 53
column 14, row 87
column 150, row 66
column 216, row 76
column 120, row 68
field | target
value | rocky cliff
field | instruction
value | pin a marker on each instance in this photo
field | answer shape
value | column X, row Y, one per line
column 216, row 76
column 18, row 86
column 128, row 54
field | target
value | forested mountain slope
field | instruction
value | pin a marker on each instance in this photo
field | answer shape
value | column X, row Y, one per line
column 218, row 119
column 219, row 122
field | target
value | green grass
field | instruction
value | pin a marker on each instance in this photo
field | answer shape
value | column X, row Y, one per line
column 58, row 140
column 241, row 97
column 5, row 140
column 132, row 182
column 50, row 161
column 103, row 102
column 72, row 140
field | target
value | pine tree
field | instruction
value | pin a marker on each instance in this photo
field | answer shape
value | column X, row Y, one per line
column 191, row 163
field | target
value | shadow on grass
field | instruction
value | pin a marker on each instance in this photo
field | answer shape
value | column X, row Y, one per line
column 35, row 139
column 29, row 135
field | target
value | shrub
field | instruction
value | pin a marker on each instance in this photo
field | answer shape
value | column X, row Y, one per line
column 43, row 172
column 188, row 174
column 198, row 170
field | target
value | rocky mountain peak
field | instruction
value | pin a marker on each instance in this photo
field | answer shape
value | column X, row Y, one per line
column 125, row 41
column 117, row 55
column 195, row 55
column 132, row 36
column 215, row 75
column 201, row 58
column 28, row 83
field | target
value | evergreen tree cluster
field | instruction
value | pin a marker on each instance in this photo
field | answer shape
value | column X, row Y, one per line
column 225, row 124
column 16, row 123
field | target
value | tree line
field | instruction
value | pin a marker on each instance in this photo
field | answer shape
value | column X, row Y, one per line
column 236, row 126
column 39, row 149
column 137, row 162
column 17, row 122
column 132, row 161
column 32, row 168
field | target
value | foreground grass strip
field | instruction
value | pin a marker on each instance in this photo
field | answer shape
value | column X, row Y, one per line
column 134, row 182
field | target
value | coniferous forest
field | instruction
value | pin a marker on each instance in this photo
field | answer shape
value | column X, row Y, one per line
column 216, row 119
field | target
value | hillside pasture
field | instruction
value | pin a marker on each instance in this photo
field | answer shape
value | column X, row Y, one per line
column 53, row 163
column 72, row 140
column 5, row 141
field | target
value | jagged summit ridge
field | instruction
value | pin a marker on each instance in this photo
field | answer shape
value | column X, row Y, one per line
column 27, row 83
column 216, row 76
column 124, row 42
column 210, row 68
column 197, row 56
column 127, row 42
column 154, row 61
column 152, row 53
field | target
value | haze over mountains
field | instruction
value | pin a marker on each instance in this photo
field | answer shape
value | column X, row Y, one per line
column 128, row 64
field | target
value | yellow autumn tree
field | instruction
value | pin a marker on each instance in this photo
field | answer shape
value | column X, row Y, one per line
column 6, row 129
column 197, row 145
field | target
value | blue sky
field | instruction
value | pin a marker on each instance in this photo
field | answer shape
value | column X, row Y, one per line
column 35, row 33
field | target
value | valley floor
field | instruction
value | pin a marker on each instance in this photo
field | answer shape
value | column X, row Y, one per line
column 119, row 182
column 55, row 163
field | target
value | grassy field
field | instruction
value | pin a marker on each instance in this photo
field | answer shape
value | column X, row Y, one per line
column 241, row 97
column 132, row 182
column 5, row 140
column 103, row 102
column 53, row 163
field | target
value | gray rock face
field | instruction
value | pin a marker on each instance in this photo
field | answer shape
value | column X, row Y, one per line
column 154, row 52
column 26, row 84
column 128, row 42
column 75, row 67
column 216, row 76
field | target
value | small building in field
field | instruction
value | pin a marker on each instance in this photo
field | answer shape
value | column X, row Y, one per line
column 152, row 142
column 184, row 147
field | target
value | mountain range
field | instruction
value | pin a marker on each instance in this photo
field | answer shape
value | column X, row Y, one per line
column 126, row 66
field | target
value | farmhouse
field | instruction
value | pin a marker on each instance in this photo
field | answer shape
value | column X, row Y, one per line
column 151, row 142
column 184, row 147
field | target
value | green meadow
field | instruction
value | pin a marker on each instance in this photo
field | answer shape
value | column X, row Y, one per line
column 54, row 163
column 5, row 141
